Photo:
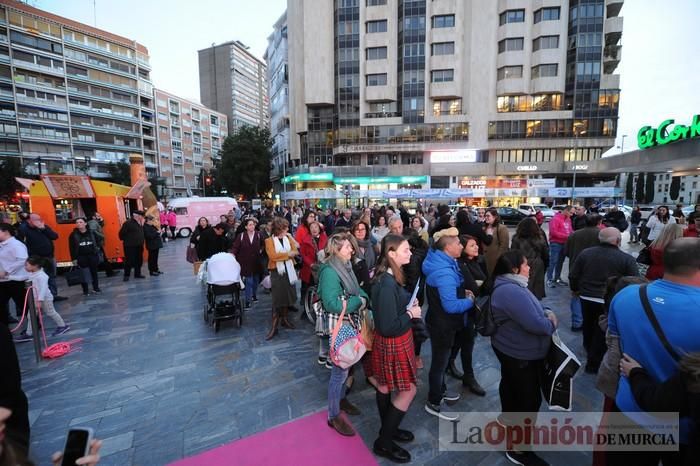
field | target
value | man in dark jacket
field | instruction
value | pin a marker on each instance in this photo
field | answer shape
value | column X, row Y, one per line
column 39, row 238
column 588, row 277
column 448, row 304
column 578, row 220
column 577, row 242
column 131, row 234
column 211, row 241
column 345, row 220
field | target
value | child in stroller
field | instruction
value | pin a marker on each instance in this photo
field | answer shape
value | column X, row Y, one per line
column 224, row 286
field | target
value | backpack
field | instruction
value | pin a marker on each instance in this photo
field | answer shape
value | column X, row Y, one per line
column 484, row 321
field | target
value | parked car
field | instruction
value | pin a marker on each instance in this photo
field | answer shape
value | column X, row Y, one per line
column 687, row 210
column 511, row 216
column 547, row 211
column 527, row 209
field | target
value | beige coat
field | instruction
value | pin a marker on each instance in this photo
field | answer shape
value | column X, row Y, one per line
column 499, row 245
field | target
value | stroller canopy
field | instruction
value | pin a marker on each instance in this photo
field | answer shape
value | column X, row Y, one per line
column 223, row 269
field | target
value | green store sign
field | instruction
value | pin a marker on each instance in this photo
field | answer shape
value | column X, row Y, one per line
column 649, row 137
column 308, row 177
column 355, row 180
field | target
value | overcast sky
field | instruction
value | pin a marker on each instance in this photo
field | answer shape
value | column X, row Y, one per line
column 659, row 70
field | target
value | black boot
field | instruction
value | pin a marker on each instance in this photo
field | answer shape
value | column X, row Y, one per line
column 383, row 403
column 384, row 445
column 453, row 371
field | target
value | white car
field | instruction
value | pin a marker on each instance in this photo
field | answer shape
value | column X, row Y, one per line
column 546, row 210
column 527, row 209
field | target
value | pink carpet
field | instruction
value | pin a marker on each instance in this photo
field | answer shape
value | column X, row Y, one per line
column 307, row 441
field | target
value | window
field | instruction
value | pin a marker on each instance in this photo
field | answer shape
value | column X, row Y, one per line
column 444, row 21
column 376, row 26
column 509, row 72
column 414, row 50
column 442, row 48
column 376, row 2
column 512, row 16
column 447, row 107
column 376, row 53
column 376, row 79
column 547, row 14
column 512, row 44
column 544, row 71
column 440, row 76
column 545, row 42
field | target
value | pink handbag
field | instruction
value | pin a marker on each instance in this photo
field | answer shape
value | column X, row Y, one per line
column 347, row 347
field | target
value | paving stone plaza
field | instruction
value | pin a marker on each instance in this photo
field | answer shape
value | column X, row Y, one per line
column 158, row 385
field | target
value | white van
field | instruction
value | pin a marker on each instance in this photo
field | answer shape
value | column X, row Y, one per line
column 190, row 209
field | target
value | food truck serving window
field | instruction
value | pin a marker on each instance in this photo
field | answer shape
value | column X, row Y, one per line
column 180, row 210
column 67, row 210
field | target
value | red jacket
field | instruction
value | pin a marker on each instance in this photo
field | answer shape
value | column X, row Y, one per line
column 248, row 253
column 656, row 269
column 560, row 228
column 308, row 255
column 691, row 232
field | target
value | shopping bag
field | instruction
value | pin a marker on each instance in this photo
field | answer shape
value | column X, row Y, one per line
column 560, row 366
column 75, row 276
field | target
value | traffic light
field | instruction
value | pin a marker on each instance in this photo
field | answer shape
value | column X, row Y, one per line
column 208, row 180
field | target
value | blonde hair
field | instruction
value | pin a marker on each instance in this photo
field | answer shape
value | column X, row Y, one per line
column 670, row 232
column 336, row 242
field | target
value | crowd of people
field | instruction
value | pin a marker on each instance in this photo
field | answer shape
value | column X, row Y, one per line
column 408, row 278
column 369, row 261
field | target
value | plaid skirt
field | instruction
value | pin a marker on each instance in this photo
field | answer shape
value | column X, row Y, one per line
column 394, row 362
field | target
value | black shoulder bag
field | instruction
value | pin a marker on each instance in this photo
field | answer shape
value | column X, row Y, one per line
column 655, row 323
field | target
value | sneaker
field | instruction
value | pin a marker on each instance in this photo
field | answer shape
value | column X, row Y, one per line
column 22, row 337
column 97, row 291
column 562, row 283
column 450, row 398
column 60, row 330
column 247, row 306
column 551, row 284
column 329, row 364
column 435, row 411
column 322, row 360
column 525, row 458
column 255, row 299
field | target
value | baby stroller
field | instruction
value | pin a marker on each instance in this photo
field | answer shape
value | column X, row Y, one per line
column 223, row 278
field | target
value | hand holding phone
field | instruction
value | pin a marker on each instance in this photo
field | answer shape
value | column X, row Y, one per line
column 79, row 446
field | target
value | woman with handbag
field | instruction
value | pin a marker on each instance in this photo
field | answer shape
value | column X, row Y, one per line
column 341, row 295
column 84, row 253
column 247, row 248
column 521, row 343
column 393, row 357
column 281, row 250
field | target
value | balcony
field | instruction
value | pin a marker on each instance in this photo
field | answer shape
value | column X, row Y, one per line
column 614, row 7
column 611, row 58
column 40, row 102
column 613, row 30
column 41, row 68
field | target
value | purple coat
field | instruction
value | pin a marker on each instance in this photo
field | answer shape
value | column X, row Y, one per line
column 248, row 253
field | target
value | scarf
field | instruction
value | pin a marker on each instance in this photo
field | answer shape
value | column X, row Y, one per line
column 347, row 277
column 367, row 252
column 285, row 267
column 517, row 278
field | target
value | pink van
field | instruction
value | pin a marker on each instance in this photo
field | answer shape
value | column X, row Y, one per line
column 189, row 210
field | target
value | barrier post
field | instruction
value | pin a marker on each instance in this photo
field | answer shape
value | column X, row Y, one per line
column 33, row 318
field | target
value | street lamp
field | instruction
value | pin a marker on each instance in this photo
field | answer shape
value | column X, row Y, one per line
column 576, row 135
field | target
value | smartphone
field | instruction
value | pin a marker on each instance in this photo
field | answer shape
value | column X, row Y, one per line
column 77, row 445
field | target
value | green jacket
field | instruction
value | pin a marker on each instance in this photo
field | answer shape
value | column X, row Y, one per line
column 330, row 289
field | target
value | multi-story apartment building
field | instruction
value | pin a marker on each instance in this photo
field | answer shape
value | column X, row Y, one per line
column 232, row 81
column 393, row 94
column 278, row 90
column 73, row 98
column 189, row 140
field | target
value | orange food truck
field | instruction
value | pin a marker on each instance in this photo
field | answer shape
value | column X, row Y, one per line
column 60, row 199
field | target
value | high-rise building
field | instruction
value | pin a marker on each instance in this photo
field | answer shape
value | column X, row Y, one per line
column 73, row 98
column 232, row 81
column 278, row 90
column 406, row 94
column 189, row 140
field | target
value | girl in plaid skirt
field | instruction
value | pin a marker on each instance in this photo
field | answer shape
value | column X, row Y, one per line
column 393, row 357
